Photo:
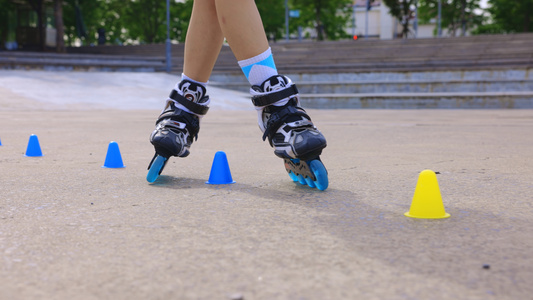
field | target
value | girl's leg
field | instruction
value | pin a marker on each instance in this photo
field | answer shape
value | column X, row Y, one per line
column 241, row 24
column 286, row 125
column 203, row 42
column 179, row 123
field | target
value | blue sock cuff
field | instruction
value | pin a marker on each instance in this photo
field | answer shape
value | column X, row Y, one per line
column 268, row 62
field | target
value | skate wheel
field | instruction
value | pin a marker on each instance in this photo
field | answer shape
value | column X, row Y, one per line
column 156, row 168
column 293, row 176
column 313, row 173
column 310, row 182
column 301, row 180
column 317, row 167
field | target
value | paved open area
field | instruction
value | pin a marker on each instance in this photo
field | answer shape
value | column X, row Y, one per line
column 70, row 229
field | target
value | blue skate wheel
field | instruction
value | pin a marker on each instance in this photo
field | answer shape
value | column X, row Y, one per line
column 301, row 180
column 317, row 167
column 293, row 176
column 310, row 182
column 155, row 168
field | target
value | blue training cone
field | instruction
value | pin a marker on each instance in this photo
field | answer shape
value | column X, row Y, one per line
column 113, row 158
column 220, row 173
column 33, row 149
column 0, row 142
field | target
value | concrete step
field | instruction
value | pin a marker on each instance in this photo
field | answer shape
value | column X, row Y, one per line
column 413, row 86
column 495, row 52
column 512, row 88
column 356, row 76
column 55, row 61
column 492, row 100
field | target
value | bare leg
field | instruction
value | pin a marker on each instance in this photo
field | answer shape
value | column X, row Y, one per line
column 212, row 20
column 242, row 26
column 292, row 134
column 203, row 42
column 179, row 123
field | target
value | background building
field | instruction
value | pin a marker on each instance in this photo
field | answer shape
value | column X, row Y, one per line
column 379, row 23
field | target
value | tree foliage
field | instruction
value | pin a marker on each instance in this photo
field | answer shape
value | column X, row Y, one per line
column 38, row 7
column 6, row 21
column 403, row 10
column 457, row 15
column 91, row 22
column 273, row 16
column 145, row 20
column 60, row 28
column 508, row 17
column 135, row 21
column 327, row 17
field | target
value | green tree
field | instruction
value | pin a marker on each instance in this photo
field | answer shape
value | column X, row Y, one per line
column 60, row 28
column 146, row 20
column 7, row 22
column 508, row 17
column 457, row 15
column 403, row 10
column 38, row 7
column 273, row 16
column 180, row 16
column 83, row 18
column 328, row 17
column 125, row 22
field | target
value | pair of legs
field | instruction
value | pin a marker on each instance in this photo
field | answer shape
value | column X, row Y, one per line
column 286, row 125
column 280, row 117
column 212, row 20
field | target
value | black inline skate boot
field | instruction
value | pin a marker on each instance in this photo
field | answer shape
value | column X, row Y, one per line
column 178, row 125
column 290, row 131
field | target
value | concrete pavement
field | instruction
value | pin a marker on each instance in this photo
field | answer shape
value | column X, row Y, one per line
column 70, row 229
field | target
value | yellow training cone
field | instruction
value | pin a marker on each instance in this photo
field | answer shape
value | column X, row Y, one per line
column 427, row 201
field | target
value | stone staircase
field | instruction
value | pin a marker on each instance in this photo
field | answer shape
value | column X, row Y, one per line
column 80, row 62
column 420, row 89
column 470, row 72
column 491, row 71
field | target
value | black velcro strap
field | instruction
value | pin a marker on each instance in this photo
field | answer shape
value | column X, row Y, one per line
column 193, row 107
column 279, row 117
column 268, row 99
column 179, row 115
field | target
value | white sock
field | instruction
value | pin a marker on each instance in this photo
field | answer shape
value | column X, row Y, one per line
column 185, row 77
column 259, row 68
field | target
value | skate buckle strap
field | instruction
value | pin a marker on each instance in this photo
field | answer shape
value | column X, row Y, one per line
column 193, row 107
column 190, row 121
column 271, row 98
column 277, row 119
